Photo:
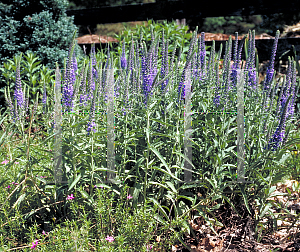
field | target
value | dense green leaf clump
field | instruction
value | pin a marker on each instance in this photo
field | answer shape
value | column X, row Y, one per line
column 40, row 27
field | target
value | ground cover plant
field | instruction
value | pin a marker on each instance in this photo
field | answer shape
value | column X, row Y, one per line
column 148, row 206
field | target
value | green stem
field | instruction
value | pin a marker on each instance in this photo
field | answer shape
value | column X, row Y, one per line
column 93, row 170
column 147, row 158
column 125, row 142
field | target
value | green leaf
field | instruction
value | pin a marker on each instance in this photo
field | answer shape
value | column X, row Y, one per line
column 187, row 227
column 160, row 208
column 163, row 162
column 86, row 196
column 75, row 182
column 172, row 187
column 19, row 200
column 266, row 209
column 33, row 80
column 185, row 197
column 166, row 172
column 245, row 198
column 163, row 123
column 278, row 194
column 203, row 214
column 189, row 161
column 159, row 184
column 160, row 219
column 230, row 203
column 272, row 189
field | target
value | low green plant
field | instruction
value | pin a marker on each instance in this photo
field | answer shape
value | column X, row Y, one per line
column 33, row 76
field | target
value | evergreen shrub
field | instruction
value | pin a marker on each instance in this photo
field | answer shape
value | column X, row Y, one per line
column 35, row 26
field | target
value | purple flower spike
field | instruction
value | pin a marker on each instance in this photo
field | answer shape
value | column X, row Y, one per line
column 18, row 95
column 277, row 139
column 91, row 82
column 44, row 101
column 91, row 124
column 74, row 62
column 202, row 53
column 123, row 58
column 69, row 80
column 270, row 69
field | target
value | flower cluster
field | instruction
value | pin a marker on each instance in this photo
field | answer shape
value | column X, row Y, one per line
column 226, row 68
column 201, row 55
column 141, row 69
column 12, row 183
column 149, row 247
column 18, row 95
column 74, row 63
column 44, row 101
column 5, row 161
column 69, row 79
column 250, row 64
column 278, row 136
column 236, row 59
column 105, row 72
column 270, row 69
column 123, row 57
column 83, row 96
column 149, row 69
column 34, row 244
column 91, row 82
column 70, row 197
column 91, row 124
column 109, row 239
column 286, row 99
column 164, row 64
column 41, row 176
column 10, row 105
column 187, row 67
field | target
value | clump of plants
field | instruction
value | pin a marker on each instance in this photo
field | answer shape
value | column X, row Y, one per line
column 143, row 97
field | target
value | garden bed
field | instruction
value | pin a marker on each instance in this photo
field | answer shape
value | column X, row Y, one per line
column 150, row 205
column 236, row 235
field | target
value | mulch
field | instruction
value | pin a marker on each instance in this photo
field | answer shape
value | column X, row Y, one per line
column 237, row 234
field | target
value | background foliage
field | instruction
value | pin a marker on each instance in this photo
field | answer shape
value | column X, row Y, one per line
column 227, row 25
column 40, row 27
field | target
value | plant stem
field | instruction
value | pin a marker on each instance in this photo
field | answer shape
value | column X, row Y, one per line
column 147, row 158
column 125, row 142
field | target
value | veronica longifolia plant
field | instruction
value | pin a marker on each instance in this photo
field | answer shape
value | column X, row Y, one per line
column 69, row 78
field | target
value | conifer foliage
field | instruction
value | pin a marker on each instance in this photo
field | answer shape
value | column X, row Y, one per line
column 39, row 26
